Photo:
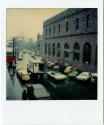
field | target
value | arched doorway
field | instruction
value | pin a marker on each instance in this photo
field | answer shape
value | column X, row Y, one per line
column 58, row 49
column 66, row 53
column 53, row 49
column 87, row 53
column 49, row 49
column 76, row 51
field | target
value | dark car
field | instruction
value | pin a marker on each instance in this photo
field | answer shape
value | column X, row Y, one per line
column 73, row 74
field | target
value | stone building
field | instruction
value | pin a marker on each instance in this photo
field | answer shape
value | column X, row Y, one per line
column 71, row 38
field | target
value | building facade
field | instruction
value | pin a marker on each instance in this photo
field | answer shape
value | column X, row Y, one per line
column 71, row 38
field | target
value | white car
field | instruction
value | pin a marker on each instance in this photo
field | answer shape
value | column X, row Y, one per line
column 84, row 76
column 69, row 69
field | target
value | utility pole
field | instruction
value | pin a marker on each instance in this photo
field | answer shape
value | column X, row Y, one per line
column 14, row 56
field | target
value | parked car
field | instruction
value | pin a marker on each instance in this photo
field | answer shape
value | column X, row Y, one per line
column 33, row 54
column 50, row 64
column 69, row 69
column 93, row 77
column 23, row 76
column 56, row 63
column 62, row 68
column 56, row 76
column 84, row 76
column 56, row 68
column 73, row 74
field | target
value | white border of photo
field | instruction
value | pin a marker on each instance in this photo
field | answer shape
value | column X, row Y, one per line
column 52, row 112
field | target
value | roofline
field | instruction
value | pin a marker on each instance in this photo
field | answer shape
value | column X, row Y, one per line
column 68, row 12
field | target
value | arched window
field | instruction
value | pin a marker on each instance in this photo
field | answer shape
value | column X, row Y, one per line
column 58, row 49
column 88, row 21
column 67, row 26
column 53, row 49
column 76, row 51
column 45, row 48
column 49, row 49
column 77, row 23
column 87, row 53
column 66, row 50
column 66, row 46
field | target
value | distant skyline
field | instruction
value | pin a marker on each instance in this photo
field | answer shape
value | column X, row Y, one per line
column 28, row 22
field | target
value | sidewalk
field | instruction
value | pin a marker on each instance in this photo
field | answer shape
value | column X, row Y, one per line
column 13, row 88
column 10, row 93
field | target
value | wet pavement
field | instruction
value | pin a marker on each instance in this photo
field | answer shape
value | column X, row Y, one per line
column 14, row 88
column 68, row 90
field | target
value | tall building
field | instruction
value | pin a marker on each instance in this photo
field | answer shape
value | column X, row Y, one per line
column 71, row 38
column 39, row 43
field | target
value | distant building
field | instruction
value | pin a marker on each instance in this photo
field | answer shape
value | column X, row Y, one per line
column 39, row 43
column 71, row 38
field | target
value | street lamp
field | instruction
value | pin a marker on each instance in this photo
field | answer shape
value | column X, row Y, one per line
column 14, row 56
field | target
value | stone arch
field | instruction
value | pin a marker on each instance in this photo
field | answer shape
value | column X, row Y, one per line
column 58, row 49
column 76, row 51
column 87, row 52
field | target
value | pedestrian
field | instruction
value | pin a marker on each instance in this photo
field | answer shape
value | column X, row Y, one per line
column 24, row 95
column 30, row 93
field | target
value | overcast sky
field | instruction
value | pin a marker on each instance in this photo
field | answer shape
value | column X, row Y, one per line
column 28, row 22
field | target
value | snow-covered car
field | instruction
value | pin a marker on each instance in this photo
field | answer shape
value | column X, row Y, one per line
column 56, row 76
column 33, row 54
column 51, row 64
column 23, row 76
column 84, row 76
column 69, row 69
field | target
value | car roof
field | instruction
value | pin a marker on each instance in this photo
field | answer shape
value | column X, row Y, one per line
column 22, row 71
column 37, row 61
